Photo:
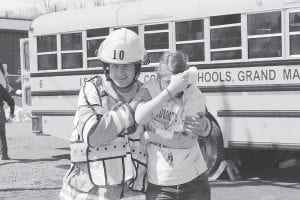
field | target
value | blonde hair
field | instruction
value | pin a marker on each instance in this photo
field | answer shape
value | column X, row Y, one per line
column 172, row 63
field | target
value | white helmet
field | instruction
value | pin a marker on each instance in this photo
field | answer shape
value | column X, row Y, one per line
column 121, row 46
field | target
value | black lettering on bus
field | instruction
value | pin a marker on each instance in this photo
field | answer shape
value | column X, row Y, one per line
column 264, row 75
column 228, row 76
column 256, row 76
column 200, row 77
column 207, row 77
column 41, row 83
column 272, row 74
column 291, row 74
column 287, row 74
column 241, row 76
column 248, row 75
column 82, row 80
column 296, row 74
column 215, row 76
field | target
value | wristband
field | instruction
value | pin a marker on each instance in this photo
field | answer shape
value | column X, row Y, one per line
column 169, row 93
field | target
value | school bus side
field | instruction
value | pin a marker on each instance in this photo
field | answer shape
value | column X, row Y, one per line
column 238, row 74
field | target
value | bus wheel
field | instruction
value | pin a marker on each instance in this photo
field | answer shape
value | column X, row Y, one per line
column 257, row 158
column 212, row 148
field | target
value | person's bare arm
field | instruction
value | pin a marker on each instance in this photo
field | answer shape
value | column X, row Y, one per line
column 146, row 110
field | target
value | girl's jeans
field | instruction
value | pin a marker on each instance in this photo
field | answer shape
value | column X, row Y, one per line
column 197, row 189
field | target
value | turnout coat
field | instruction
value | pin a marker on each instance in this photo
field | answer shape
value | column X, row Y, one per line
column 105, row 144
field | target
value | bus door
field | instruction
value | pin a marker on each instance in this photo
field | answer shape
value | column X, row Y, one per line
column 25, row 75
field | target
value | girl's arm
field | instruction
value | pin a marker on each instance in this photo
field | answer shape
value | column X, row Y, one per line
column 146, row 110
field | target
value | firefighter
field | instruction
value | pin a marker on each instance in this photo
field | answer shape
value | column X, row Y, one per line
column 108, row 161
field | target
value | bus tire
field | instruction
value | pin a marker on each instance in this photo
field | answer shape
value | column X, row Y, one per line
column 212, row 147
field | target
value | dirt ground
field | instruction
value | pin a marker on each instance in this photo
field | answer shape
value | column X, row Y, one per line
column 39, row 163
column 37, row 166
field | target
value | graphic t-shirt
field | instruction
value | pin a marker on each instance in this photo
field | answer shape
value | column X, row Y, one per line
column 169, row 166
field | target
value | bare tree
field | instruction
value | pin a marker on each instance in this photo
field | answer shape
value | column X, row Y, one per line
column 98, row 2
column 54, row 5
column 47, row 5
column 29, row 12
column 40, row 7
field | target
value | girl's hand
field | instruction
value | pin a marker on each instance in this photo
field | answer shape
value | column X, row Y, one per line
column 179, row 83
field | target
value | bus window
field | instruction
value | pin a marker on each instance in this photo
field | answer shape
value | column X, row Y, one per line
column 294, row 27
column 194, row 51
column 94, row 38
column 47, row 52
column 226, row 55
column 225, row 19
column 71, row 41
column 70, row 44
column 97, row 32
column 71, row 60
column 47, row 62
column 156, row 40
column 46, row 43
column 26, row 56
column 92, row 47
column 225, row 37
column 190, row 39
column 28, row 96
column 133, row 28
column 264, row 35
column 155, row 56
column 156, row 27
column 264, row 47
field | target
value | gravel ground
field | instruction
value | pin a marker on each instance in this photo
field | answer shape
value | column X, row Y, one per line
column 39, row 163
column 37, row 166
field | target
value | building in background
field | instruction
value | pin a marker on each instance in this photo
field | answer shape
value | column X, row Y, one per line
column 11, row 31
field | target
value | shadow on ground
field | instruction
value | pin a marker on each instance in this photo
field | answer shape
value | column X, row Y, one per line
column 63, row 166
column 53, row 158
column 270, row 176
column 28, row 189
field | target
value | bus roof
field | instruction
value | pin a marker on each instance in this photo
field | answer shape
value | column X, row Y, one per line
column 147, row 11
